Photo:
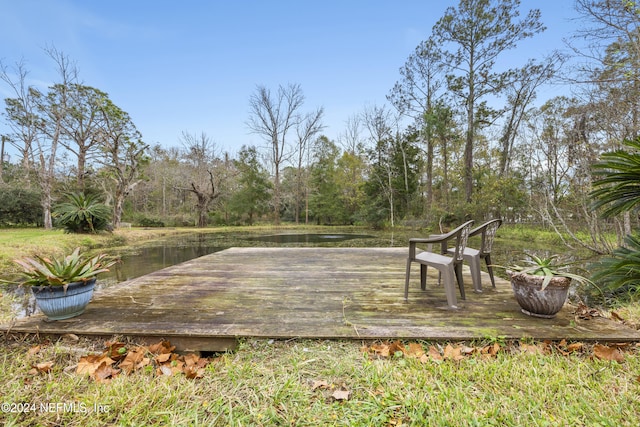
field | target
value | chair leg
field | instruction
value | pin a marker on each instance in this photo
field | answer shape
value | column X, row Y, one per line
column 476, row 274
column 406, row 280
column 458, row 274
column 423, row 277
column 449, row 287
column 487, row 260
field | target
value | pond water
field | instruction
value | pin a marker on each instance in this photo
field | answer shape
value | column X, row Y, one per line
column 307, row 238
column 177, row 249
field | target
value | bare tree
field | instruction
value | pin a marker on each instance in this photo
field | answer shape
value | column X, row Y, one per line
column 21, row 112
column 52, row 109
column 273, row 117
column 200, row 153
column 609, row 47
column 124, row 155
column 350, row 139
column 306, row 129
column 380, row 124
column 81, row 124
column 521, row 91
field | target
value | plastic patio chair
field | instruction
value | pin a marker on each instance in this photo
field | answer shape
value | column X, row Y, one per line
column 449, row 267
column 474, row 256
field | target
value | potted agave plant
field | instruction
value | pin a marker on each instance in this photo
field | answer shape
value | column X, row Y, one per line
column 541, row 285
column 63, row 286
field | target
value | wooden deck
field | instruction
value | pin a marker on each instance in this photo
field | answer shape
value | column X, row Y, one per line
column 333, row 293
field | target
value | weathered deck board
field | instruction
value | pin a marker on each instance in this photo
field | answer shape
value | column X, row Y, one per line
column 310, row 293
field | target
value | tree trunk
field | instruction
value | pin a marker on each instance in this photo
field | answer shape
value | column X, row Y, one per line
column 2, row 158
column 117, row 209
column 468, row 155
column 82, row 160
column 46, row 211
column 429, row 189
column 276, row 196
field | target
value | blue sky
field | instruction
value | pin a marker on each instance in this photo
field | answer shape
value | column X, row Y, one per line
column 193, row 65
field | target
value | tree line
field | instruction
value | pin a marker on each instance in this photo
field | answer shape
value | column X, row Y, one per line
column 461, row 136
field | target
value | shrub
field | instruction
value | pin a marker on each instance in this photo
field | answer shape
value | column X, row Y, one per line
column 82, row 213
column 20, row 207
column 618, row 275
column 144, row 221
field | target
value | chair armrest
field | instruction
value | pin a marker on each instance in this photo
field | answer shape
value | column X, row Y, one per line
column 433, row 238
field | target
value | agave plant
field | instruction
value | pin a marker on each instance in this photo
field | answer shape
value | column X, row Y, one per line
column 548, row 267
column 62, row 271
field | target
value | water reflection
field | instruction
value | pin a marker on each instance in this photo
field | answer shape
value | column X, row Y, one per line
column 154, row 258
column 307, row 238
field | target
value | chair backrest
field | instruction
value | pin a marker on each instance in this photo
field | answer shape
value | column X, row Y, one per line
column 488, row 230
column 461, row 239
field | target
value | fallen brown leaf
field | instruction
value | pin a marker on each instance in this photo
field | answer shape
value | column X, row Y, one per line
column 434, row 353
column 88, row 365
column 134, row 360
column 341, row 395
column 161, row 347
column 415, row 350
column 576, row 346
column 34, row 350
column 604, row 352
column 193, row 372
column 192, row 360
column 104, row 373
column 162, row 358
column 116, row 350
column 586, row 313
column 381, row 350
column 491, row 350
column 44, row 367
column 396, row 347
column 467, row 350
column 530, row 348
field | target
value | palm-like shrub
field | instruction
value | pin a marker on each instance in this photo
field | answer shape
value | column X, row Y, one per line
column 618, row 188
column 617, row 191
column 82, row 213
column 619, row 273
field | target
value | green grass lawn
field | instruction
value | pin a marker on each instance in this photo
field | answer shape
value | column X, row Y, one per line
column 267, row 383
column 294, row 382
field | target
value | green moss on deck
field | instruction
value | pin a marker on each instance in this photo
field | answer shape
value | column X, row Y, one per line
column 312, row 293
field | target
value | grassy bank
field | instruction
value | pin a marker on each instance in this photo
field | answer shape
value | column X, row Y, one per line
column 16, row 243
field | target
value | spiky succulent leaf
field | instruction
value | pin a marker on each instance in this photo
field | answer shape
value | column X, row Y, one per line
column 74, row 267
column 548, row 268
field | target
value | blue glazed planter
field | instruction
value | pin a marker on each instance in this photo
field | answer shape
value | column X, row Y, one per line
column 57, row 304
